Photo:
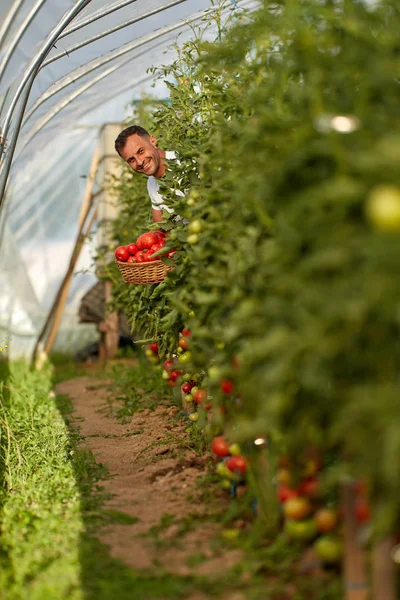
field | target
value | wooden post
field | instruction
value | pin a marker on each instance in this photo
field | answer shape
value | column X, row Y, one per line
column 55, row 314
column 383, row 571
column 109, row 328
column 355, row 579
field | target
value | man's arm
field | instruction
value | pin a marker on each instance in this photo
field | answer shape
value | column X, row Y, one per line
column 157, row 215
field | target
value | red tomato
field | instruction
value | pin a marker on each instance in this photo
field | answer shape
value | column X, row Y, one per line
column 310, row 487
column 186, row 388
column 131, row 259
column 173, row 376
column 171, row 253
column 362, row 511
column 132, row 248
column 146, row 240
column 155, row 248
column 122, row 253
column 208, row 406
column 186, row 332
column 200, row 396
column 160, row 235
column 168, row 365
column 285, row 493
column 154, row 347
column 171, row 382
column 226, row 386
column 139, row 257
column 237, row 464
column 220, row 447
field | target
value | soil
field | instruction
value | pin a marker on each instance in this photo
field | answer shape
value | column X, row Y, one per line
column 154, row 478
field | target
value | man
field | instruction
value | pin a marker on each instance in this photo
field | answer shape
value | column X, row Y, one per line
column 138, row 148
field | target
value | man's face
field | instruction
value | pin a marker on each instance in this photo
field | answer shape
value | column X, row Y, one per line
column 142, row 155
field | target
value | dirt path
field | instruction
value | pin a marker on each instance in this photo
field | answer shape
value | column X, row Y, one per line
column 154, row 478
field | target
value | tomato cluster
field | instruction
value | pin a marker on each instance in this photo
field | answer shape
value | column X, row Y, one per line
column 152, row 353
column 143, row 250
column 306, row 517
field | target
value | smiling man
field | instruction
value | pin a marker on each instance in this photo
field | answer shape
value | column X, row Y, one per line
column 139, row 149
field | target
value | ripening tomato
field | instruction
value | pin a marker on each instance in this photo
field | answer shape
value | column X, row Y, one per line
column 326, row 519
column 297, row 508
column 220, row 447
column 146, row 240
column 132, row 248
column 226, row 386
column 200, row 396
column 154, row 347
column 122, row 254
column 237, row 464
column 183, row 343
column 284, row 477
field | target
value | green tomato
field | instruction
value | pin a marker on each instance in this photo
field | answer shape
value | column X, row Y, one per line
column 226, row 484
column 165, row 375
column 301, row 530
column 230, row 534
column 383, row 207
column 234, row 449
column 188, row 398
column 214, row 373
column 222, row 470
column 185, row 358
column 194, row 389
column 191, row 202
column 191, row 314
column 187, row 377
column 193, row 239
column 329, row 549
column 193, row 417
column 195, row 226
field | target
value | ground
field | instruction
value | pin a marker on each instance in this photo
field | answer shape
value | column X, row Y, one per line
column 168, row 530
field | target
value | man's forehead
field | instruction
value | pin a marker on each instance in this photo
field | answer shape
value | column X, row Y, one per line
column 135, row 142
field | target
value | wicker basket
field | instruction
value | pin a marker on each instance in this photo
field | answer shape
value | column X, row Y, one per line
column 146, row 272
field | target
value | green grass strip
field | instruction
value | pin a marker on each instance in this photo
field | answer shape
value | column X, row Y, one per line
column 40, row 515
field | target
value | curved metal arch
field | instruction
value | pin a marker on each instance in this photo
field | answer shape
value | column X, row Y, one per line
column 95, row 17
column 25, row 87
column 24, row 26
column 9, row 20
column 99, row 36
column 96, row 63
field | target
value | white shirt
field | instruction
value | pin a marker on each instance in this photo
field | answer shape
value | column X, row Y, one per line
column 157, row 201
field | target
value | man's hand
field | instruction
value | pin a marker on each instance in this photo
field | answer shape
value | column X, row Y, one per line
column 157, row 215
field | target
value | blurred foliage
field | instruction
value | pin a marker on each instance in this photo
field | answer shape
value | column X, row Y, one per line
column 288, row 274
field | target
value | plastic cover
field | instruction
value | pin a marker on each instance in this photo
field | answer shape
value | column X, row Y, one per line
column 71, row 99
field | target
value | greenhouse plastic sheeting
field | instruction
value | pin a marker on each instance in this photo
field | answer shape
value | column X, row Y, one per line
column 72, row 97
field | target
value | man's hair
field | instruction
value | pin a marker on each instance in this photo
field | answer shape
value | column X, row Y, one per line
column 123, row 136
